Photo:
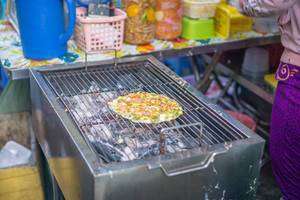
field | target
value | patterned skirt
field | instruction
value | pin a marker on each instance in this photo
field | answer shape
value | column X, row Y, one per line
column 285, row 131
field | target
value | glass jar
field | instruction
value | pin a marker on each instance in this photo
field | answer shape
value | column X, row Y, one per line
column 168, row 19
column 140, row 22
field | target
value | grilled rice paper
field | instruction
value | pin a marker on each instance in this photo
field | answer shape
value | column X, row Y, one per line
column 144, row 107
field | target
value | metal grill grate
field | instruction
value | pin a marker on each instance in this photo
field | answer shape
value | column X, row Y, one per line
column 85, row 94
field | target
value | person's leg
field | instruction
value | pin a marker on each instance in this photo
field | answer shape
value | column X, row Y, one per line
column 285, row 140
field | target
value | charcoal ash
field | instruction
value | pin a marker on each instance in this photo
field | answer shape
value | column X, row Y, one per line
column 88, row 108
column 109, row 152
column 116, row 139
column 123, row 146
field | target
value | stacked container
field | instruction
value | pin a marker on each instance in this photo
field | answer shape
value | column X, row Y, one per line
column 256, row 64
column 200, row 9
column 198, row 22
column 230, row 21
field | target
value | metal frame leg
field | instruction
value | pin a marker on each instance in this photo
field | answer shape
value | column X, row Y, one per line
column 224, row 89
column 193, row 61
column 204, row 83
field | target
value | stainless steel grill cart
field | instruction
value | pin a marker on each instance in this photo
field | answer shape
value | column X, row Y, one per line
column 96, row 154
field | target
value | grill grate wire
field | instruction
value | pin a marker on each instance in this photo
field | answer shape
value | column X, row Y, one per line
column 85, row 94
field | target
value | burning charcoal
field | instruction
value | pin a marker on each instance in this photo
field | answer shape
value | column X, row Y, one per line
column 82, row 105
column 149, row 142
column 94, row 87
column 132, row 143
column 86, row 109
column 139, row 131
column 138, row 142
column 104, row 97
column 120, row 140
column 142, row 147
column 173, row 142
column 170, row 149
column 129, row 153
column 180, row 144
column 102, row 131
column 109, row 152
column 104, row 110
column 90, row 137
column 151, row 150
column 113, row 139
column 118, row 130
column 120, row 86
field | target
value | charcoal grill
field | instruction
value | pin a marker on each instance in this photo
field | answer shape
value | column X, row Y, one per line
column 96, row 154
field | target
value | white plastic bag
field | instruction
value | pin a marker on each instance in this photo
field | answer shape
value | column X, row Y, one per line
column 14, row 154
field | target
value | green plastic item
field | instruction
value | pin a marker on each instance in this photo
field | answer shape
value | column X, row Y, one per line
column 198, row 29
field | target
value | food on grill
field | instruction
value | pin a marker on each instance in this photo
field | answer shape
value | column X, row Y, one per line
column 144, row 107
column 140, row 24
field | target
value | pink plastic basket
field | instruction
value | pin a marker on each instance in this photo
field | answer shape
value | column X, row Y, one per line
column 94, row 35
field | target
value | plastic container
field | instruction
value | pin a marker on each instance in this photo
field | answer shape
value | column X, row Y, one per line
column 256, row 63
column 270, row 80
column 98, row 34
column 266, row 25
column 180, row 65
column 198, row 29
column 140, row 24
column 200, row 8
column 230, row 21
column 168, row 19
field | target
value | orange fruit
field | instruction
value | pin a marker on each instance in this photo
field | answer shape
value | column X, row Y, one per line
column 150, row 13
column 133, row 10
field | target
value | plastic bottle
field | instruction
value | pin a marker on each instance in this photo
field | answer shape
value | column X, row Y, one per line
column 140, row 23
column 168, row 17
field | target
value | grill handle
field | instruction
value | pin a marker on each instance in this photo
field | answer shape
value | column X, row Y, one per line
column 115, row 58
column 175, row 168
